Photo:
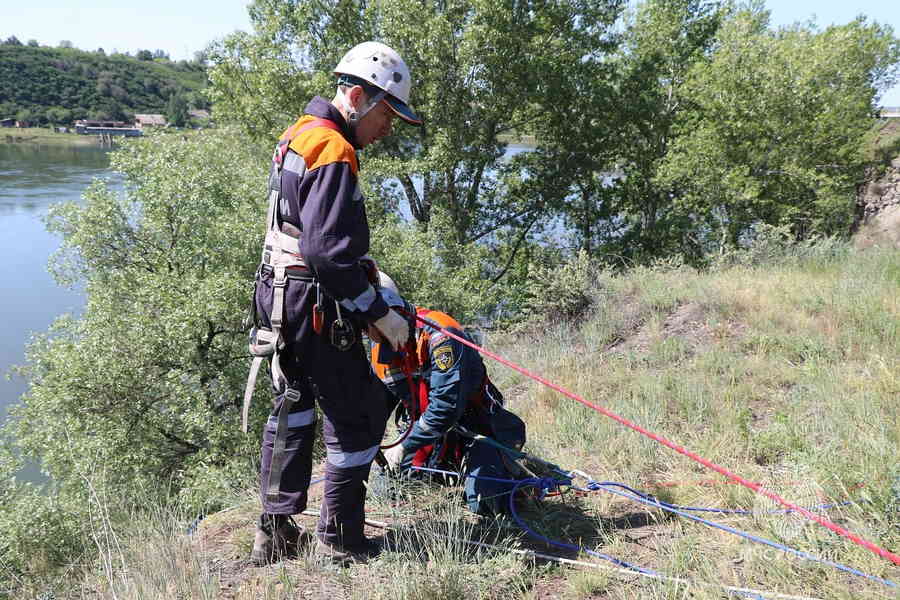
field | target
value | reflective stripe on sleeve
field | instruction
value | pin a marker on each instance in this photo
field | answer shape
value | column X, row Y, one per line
column 295, row 420
column 365, row 300
column 361, row 302
column 345, row 460
column 294, row 163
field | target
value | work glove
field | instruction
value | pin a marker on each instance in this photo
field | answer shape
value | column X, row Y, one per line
column 394, row 329
column 394, row 456
column 371, row 268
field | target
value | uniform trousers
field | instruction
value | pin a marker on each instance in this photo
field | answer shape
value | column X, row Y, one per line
column 354, row 405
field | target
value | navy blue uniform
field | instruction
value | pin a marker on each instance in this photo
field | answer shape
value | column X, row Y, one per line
column 320, row 198
column 456, row 382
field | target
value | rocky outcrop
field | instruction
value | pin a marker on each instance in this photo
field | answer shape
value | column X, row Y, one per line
column 879, row 205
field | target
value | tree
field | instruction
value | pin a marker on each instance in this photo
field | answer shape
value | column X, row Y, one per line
column 484, row 73
column 144, row 55
column 663, row 41
column 41, row 78
column 777, row 126
column 109, row 109
column 32, row 43
column 177, row 110
column 58, row 115
column 12, row 41
column 65, row 44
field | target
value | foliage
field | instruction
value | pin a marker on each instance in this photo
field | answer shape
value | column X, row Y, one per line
column 144, row 388
column 90, row 84
column 664, row 40
column 702, row 115
column 177, row 110
column 766, row 244
column 777, row 129
column 415, row 260
column 483, row 71
column 562, row 292
column 786, row 372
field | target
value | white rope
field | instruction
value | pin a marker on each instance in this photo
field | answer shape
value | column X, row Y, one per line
column 599, row 566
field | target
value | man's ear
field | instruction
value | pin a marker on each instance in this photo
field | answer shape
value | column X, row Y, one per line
column 355, row 95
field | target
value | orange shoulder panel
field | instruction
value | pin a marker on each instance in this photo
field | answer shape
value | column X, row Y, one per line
column 320, row 146
column 442, row 319
column 379, row 367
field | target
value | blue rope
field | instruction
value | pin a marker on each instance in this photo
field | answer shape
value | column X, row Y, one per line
column 547, row 484
column 550, row 483
column 724, row 511
column 606, row 485
column 544, row 485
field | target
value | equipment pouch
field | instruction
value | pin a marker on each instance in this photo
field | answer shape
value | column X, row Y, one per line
column 262, row 341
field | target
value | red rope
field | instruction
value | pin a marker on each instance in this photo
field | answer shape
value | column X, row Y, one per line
column 710, row 465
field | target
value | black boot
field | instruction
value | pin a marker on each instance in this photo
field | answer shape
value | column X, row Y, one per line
column 277, row 536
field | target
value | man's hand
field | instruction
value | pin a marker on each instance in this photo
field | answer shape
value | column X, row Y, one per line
column 394, row 329
column 394, row 456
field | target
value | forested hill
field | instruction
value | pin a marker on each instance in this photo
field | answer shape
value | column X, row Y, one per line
column 58, row 85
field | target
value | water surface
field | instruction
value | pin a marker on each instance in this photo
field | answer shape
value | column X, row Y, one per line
column 31, row 179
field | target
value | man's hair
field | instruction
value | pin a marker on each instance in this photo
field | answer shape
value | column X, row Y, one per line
column 348, row 81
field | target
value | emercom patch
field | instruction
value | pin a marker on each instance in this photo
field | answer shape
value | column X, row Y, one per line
column 443, row 357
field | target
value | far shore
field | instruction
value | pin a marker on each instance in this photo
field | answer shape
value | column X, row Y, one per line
column 42, row 136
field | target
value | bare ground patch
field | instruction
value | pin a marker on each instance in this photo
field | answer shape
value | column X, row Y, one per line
column 688, row 322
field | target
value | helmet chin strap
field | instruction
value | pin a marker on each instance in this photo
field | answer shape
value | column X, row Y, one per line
column 353, row 115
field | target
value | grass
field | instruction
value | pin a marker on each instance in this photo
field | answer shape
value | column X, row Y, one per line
column 786, row 372
column 45, row 137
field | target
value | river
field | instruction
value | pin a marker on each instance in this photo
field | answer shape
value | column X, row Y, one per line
column 31, row 179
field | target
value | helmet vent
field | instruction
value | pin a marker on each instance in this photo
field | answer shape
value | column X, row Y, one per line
column 397, row 77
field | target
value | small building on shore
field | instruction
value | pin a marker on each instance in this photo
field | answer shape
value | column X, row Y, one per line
column 82, row 124
column 94, row 127
column 141, row 121
column 890, row 112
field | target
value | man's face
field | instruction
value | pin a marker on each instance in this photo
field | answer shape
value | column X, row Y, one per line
column 376, row 124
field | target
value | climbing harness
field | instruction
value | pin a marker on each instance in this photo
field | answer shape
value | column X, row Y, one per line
column 409, row 408
column 484, row 406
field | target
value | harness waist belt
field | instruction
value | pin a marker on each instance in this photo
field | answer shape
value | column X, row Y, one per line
column 297, row 273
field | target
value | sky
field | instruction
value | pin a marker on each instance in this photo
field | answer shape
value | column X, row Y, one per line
column 182, row 27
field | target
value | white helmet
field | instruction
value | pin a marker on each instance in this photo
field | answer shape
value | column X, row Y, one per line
column 381, row 66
